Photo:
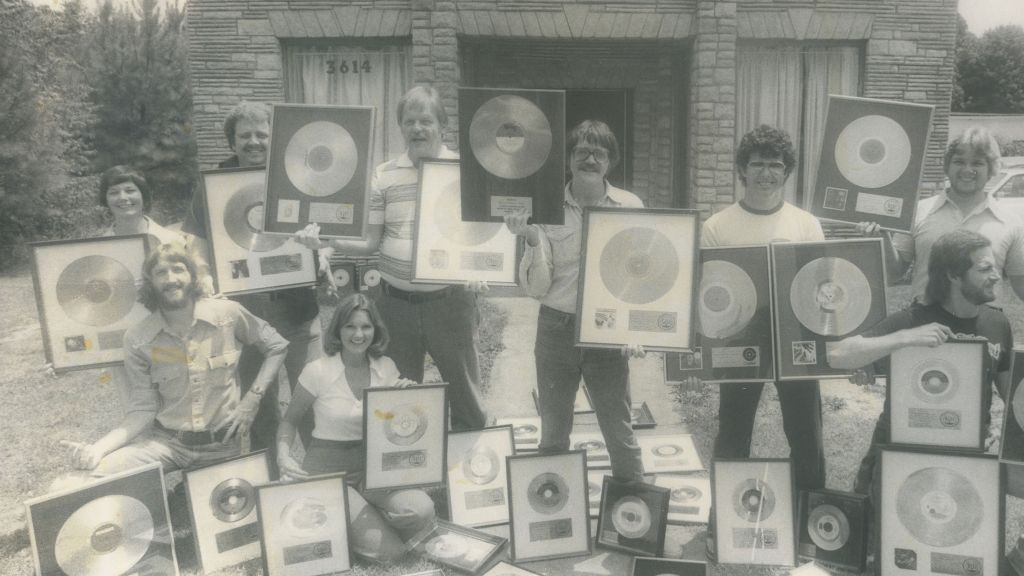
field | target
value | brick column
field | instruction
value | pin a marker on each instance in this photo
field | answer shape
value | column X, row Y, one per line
column 435, row 54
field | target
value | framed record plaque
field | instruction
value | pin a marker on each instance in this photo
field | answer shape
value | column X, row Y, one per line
column 834, row 529
column 668, row 453
column 591, row 441
column 464, row 549
column 872, row 155
column 448, row 250
column 513, row 154
column 477, row 482
column 581, row 405
column 638, row 276
column 941, row 512
column 935, row 395
column 525, row 431
column 304, row 526
column 318, row 169
column 633, row 517
column 244, row 259
column 1011, row 447
column 87, row 298
column 404, row 430
column 689, row 498
column 117, row 525
column 222, row 501
column 754, row 511
column 823, row 292
column 548, row 505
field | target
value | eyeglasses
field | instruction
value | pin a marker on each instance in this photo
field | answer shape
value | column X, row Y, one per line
column 758, row 165
column 581, row 154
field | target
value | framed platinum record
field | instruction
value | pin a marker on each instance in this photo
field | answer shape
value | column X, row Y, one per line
column 754, row 510
column 477, row 482
column 405, row 431
column 548, row 506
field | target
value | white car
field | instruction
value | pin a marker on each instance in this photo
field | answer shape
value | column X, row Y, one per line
column 1008, row 188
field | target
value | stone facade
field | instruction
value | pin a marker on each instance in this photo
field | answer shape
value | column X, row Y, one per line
column 684, row 92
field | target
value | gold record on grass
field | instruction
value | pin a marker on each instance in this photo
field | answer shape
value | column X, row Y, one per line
column 106, row 536
column 548, row 493
column 828, row 527
column 480, row 466
column 232, row 500
column 321, row 158
column 510, row 136
column 830, row 296
column 940, row 507
column 243, row 220
column 631, row 517
column 447, row 546
column 753, row 500
column 304, row 516
column 96, row 290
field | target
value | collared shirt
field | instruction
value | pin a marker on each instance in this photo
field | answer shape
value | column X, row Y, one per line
column 740, row 225
column 337, row 412
column 393, row 196
column 550, row 271
column 939, row 214
column 190, row 383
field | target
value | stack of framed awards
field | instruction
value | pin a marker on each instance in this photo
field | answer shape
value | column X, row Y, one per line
column 477, row 483
column 87, row 298
column 405, row 431
column 754, row 511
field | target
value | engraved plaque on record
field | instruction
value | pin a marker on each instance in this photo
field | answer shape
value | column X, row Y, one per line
column 87, row 299
column 1011, row 446
column 754, row 511
column 404, row 430
column 318, row 169
column 548, row 506
column 871, row 160
column 477, row 482
column 823, row 292
column 513, row 154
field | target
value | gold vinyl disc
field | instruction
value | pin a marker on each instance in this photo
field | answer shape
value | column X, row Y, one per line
column 667, row 450
column 104, row 537
column 510, row 136
column 524, row 430
column 589, row 445
column 940, row 507
column 232, row 500
column 96, row 290
column 828, row 527
column 753, row 500
column 448, row 220
column 480, row 466
column 935, row 381
column 830, row 296
column 1018, row 405
column 873, row 151
column 407, row 424
column 686, row 494
column 639, row 265
column 547, row 493
column 243, row 220
column 728, row 299
column 447, row 546
column 321, row 158
column 304, row 516
column 631, row 517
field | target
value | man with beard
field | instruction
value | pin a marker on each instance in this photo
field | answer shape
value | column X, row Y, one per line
column 185, row 406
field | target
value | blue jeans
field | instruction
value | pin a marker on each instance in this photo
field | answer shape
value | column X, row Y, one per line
column 158, row 445
column 560, row 364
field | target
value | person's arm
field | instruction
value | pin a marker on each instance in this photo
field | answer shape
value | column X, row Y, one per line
column 858, row 351
column 302, row 400
column 537, row 265
column 254, row 331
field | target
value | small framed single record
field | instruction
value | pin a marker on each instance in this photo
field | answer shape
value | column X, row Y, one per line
column 595, row 484
column 87, row 296
column 1011, row 446
column 404, row 430
column 506, row 569
column 941, row 512
column 465, row 549
column 525, row 431
column 754, row 511
column 448, row 250
column 638, row 272
column 661, row 453
column 304, row 526
column 581, row 405
column 872, row 156
column 640, row 416
column 548, row 506
column 591, row 441
column 243, row 258
column 689, row 499
column 477, row 483
column 116, row 525
column 666, row 567
column 222, row 502
column 681, row 365
column 834, row 529
column 935, row 395
column 823, row 292
column 633, row 517
column 513, row 153
column 318, row 169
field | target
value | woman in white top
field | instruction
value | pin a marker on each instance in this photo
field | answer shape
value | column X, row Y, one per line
column 333, row 387
column 126, row 194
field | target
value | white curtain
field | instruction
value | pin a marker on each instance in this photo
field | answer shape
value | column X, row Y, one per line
column 351, row 75
column 830, row 70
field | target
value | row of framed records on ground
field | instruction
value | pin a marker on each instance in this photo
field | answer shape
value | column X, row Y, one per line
column 771, row 312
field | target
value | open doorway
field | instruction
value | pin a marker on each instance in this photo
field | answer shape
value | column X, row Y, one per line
column 613, row 108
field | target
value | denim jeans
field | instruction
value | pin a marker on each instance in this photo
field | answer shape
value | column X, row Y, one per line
column 157, row 445
column 560, row 364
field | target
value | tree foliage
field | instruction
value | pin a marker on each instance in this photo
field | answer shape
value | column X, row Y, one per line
column 989, row 71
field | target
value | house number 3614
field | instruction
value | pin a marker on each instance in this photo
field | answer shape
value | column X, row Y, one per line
column 348, row 67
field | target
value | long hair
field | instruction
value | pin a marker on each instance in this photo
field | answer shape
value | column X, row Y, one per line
column 348, row 306
column 170, row 252
column 951, row 258
column 119, row 175
column 594, row 132
column 769, row 142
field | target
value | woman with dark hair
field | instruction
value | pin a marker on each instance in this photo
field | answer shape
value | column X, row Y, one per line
column 125, row 193
column 333, row 387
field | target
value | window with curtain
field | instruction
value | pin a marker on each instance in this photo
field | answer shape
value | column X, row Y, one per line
column 356, row 76
column 787, row 85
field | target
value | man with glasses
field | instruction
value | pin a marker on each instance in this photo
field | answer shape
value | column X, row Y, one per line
column 764, row 160
column 550, row 272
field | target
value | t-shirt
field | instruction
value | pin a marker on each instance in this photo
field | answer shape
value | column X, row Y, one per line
column 739, row 225
column 337, row 412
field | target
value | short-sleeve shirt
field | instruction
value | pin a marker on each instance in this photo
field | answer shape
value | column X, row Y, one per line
column 191, row 383
column 740, row 225
column 938, row 215
column 337, row 412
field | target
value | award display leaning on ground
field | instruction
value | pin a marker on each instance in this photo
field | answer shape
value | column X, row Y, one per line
column 689, row 498
column 834, row 529
column 633, row 517
column 754, row 511
column 405, row 431
column 464, row 549
column 477, row 482
column 87, row 297
column 638, row 275
column 1011, row 447
column 243, row 259
column 548, row 506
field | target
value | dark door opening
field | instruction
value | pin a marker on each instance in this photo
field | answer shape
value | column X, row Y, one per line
column 613, row 108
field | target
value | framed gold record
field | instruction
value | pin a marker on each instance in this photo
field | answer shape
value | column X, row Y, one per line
column 581, row 405
column 525, row 431
column 834, row 529
column 304, row 526
column 459, row 547
column 661, row 453
column 689, row 497
column 243, row 258
column 405, row 431
column 754, row 508
column 116, row 525
column 449, row 250
column 87, row 298
column 639, row 275
column 513, row 153
column 477, row 483
column 940, row 512
column 823, row 292
column 222, row 503
column 548, row 506
column 591, row 441
column 872, row 157
column 633, row 517
column 1011, row 446
column 318, row 169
